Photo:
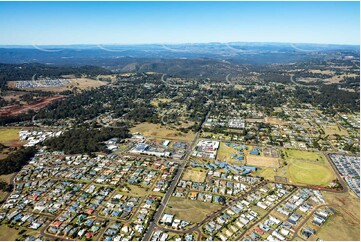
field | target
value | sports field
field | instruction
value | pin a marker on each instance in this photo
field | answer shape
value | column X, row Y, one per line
column 189, row 210
column 308, row 168
column 301, row 168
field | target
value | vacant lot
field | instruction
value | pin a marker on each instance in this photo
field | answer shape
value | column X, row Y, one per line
column 274, row 121
column 331, row 130
column 346, row 220
column 188, row 210
column 8, row 234
column 15, row 110
column 194, row 175
column 225, row 152
column 262, row 161
column 158, row 131
column 291, row 155
column 9, row 136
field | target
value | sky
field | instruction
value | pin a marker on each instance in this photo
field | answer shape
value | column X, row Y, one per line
column 64, row 23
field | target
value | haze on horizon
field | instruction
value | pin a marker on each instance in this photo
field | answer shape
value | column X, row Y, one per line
column 69, row 23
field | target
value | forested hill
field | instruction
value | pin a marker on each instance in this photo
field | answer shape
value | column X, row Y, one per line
column 12, row 72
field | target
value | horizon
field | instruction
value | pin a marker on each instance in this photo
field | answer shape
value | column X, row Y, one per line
column 181, row 43
column 147, row 23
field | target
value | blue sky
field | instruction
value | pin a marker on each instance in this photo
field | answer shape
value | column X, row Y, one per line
column 62, row 23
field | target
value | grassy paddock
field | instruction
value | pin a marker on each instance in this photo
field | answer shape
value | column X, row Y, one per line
column 310, row 168
column 9, row 136
column 262, row 161
column 345, row 224
column 188, row 210
column 194, row 175
column 156, row 130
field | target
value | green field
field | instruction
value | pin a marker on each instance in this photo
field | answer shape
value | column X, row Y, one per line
column 303, row 168
column 224, row 153
column 188, row 210
column 9, row 136
column 309, row 168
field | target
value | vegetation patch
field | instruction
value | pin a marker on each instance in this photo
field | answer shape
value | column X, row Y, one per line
column 157, row 130
column 85, row 140
column 305, row 167
column 346, row 220
column 189, row 210
column 9, row 137
column 194, row 175
column 334, row 129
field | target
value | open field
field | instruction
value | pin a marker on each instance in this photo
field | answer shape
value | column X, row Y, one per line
column 309, row 173
column 310, row 168
column 271, row 120
column 345, row 224
column 188, row 210
column 225, row 152
column 330, row 130
column 8, row 234
column 17, row 110
column 9, row 136
column 303, row 168
column 254, row 160
column 156, row 130
column 291, row 155
column 194, row 175
column 155, row 102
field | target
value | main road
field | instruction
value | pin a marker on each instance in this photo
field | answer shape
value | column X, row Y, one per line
column 153, row 224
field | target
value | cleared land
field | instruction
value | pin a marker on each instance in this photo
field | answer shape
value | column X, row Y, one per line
column 274, row 121
column 188, row 210
column 330, row 130
column 156, row 130
column 194, row 175
column 262, row 161
column 303, row 168
column 345, row 224
column 310, row 168
column 8, row 234
column 17, row 110
column 9, row 136
column 225, row 153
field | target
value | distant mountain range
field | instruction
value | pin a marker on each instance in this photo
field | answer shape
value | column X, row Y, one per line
column 184, row 59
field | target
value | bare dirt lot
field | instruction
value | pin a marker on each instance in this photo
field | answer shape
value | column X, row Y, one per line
column 262, row 161
column 17, row 110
